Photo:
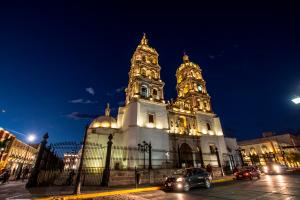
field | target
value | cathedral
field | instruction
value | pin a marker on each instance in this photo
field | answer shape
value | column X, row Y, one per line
column 183, row 132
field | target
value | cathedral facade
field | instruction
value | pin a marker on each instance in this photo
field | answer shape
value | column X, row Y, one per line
column 182, row 132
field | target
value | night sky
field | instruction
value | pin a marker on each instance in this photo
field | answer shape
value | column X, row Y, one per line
column 61, row 61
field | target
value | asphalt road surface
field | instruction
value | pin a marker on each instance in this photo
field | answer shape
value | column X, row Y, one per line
column 283, row 187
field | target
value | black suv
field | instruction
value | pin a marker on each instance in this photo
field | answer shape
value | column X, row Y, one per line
column 184, row 179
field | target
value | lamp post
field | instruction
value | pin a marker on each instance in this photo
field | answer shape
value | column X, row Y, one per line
column 30, row 139
column 146, row 147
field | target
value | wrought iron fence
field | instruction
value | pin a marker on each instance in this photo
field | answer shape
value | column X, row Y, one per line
column 60, row 161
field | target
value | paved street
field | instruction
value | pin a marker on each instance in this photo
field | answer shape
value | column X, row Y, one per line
column 268, row 187
column 283, row 187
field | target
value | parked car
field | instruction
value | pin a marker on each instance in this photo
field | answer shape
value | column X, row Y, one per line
column 248, row 173
column 184, row 179
column 274, row 168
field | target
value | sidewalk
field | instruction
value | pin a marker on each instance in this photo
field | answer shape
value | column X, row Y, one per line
column 16, row 189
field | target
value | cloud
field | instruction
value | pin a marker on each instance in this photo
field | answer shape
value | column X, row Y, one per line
column 87, row 101
column 90, row 90
column 116, row 91
column 120, row 89
column 121, row 103
column 3, row 111
column 76, row 101
column 78, row 116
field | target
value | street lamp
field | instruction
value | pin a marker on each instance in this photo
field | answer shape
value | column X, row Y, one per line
column 296, row 100
column 146, row 147
column 30, row 138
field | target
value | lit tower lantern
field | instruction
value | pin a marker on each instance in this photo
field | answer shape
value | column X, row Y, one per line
column 144, row 75
column 191, row 88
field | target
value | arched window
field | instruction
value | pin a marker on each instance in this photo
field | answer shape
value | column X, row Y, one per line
column 252, row 151
column 152, row 74
column 182, row 121
column 154, row 92
column 144, row 91
column 212, row 148
column 264, row 149
column 143, row 72
column 208, row 126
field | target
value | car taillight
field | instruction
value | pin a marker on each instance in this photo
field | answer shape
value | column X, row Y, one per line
column 246, row 174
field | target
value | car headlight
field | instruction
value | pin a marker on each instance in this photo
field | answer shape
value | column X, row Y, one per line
column 265, row 168
column 179, row 179
column 276, row 168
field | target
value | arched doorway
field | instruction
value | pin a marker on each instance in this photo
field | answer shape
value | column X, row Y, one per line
column 186, row 156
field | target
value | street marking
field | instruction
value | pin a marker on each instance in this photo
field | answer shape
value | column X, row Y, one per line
column 100, row 194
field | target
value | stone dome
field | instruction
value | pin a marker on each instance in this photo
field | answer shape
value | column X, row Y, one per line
column 105, row 121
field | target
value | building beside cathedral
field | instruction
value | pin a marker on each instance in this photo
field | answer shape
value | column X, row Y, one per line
column 184, row 132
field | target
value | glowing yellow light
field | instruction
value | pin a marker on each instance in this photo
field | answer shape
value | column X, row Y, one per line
column 150, row 125
column 96, row 125
column 219, row 133
column 114, row 125
column 159, row 126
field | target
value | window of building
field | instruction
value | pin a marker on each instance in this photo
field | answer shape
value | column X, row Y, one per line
column 144, row 91
column 264, row 149
column 154, row 92
column 252, row 151
column 143, row 72
column 151, row 118
column 208, row 126
column 212, row 148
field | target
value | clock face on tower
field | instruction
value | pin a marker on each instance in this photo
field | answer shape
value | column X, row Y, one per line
column 199, row 88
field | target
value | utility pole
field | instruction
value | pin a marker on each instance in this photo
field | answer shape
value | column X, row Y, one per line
column 78, row 182
column 106, row 172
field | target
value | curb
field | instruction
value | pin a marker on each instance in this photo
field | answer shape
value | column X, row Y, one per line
column 222, row 180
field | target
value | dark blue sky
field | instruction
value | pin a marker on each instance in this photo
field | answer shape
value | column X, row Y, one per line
column 51, row 52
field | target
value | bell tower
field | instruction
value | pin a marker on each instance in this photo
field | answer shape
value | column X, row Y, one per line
column 191, row 88
column 144, row 75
